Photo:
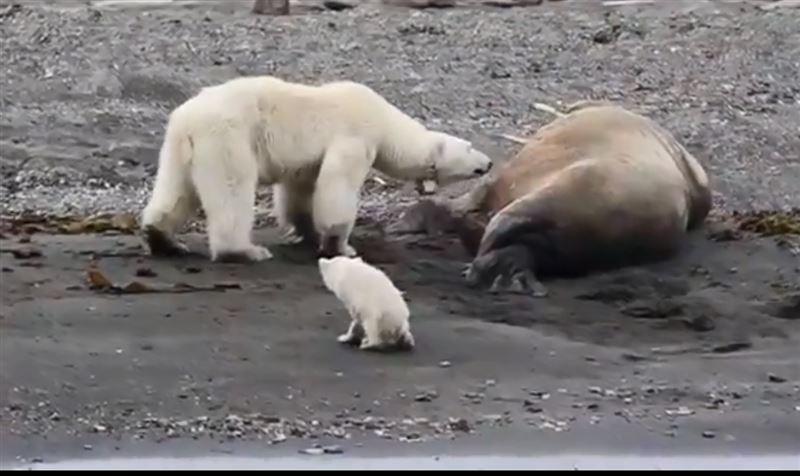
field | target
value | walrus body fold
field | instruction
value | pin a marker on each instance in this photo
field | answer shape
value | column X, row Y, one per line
column 598, row 188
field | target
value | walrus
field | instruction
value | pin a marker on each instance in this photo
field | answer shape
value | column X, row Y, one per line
column 598, row 188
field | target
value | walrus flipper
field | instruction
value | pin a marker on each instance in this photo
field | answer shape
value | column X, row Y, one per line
column 509, row 251
column 507, row 269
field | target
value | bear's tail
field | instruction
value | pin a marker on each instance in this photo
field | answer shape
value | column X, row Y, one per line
column 173, row 200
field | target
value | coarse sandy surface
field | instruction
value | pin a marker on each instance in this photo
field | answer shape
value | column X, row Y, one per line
column 695, row 355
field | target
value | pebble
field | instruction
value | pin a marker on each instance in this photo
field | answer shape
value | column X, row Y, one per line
column 87, row 447
column 312, row 451
column 680, row 411
column 333, row 450
column 427, row 396
column 709, row 434
column 775, row 378
column 445, row 364
column 459, row 424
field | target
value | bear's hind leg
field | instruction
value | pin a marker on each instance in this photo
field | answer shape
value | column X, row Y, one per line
column 226, row 176
column 335, row 201
column 372, row 334
column 172, row 203
column 292, row 208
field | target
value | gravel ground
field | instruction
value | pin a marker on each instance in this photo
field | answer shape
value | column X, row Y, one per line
column 86, row 91
column 698, row 354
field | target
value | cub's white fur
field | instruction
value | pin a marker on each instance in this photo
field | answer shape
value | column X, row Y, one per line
column 315, row 143
column 377, row 308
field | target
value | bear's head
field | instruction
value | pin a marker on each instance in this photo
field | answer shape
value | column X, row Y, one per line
column 454, row 159
column 331, row 268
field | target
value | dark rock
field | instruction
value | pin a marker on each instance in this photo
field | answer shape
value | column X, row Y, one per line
column 338, row 5
column 775, row 378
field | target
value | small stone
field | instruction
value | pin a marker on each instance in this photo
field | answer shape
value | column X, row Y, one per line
column 700, row 323
column 775, row 378
column 427, row 396
column 445, row 364
column 312, row 451
column 709, row 434
column 87, row 447
column 37, row 460
column 592, row 406
column 473, row 396
column 338, row 5
column 596, row 390
column 459, row 424
column 26, row 253
column 731, row 347
column 632, row 357
column 490, row 383
column 145, row 273
column 332, row 450
column 680, row 411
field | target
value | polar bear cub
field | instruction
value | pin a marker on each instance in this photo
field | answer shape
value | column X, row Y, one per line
column 316, row 144
column 378, row 311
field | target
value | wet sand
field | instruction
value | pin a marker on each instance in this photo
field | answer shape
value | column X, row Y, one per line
column 698, row 354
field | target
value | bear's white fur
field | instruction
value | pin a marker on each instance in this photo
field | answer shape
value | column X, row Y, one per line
column 317, row 143
column 377, row 308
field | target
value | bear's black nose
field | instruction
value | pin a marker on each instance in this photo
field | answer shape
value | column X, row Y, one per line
column 480, row 171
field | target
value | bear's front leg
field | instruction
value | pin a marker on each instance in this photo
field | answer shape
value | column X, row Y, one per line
column 335, row 202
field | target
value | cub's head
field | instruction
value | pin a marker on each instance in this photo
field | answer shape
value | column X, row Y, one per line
column 454, row 159
column 330, row 268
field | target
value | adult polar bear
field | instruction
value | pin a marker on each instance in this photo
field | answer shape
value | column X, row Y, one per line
column 316, row 143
